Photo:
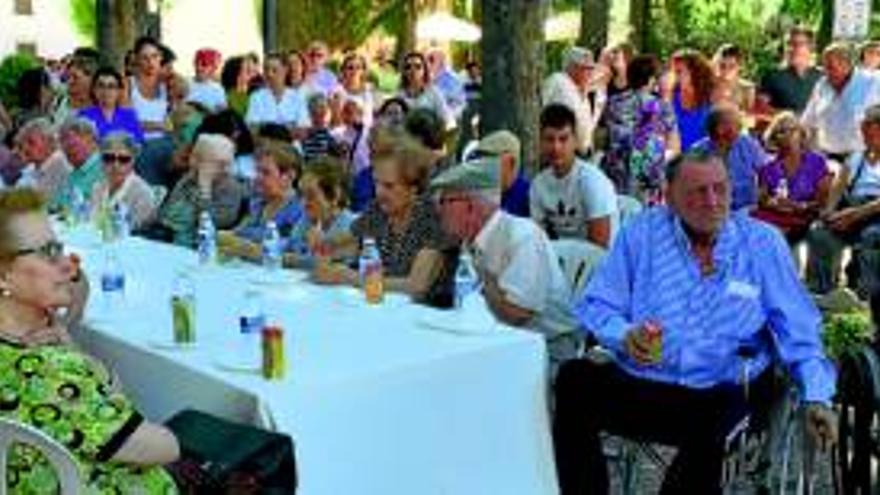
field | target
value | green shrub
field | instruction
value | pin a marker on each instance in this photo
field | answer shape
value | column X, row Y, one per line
column 11, row 68
column 846, row 331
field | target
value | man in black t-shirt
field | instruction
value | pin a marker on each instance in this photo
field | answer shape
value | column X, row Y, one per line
column 789, row 87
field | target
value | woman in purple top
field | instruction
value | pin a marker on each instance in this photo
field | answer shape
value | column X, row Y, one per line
column 793, row 188
column 106, row 114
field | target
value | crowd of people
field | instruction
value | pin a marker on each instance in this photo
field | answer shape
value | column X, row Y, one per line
column 734, row 177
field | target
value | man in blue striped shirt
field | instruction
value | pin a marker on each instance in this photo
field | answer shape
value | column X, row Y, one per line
column 693, row 303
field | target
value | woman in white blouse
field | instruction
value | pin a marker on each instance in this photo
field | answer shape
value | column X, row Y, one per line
column 418, row 92
column 121, row 185
column 277, row 103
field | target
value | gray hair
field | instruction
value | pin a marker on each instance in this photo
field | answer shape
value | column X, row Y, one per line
column 41, row 126
column 696, row 157
column 120, row 138
column 840, row 50
column 79, row 125
column 718, row 114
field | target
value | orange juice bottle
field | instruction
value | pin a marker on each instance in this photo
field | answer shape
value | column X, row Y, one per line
column 371, row 272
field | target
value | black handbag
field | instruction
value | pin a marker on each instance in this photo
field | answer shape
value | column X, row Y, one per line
column 220, row 456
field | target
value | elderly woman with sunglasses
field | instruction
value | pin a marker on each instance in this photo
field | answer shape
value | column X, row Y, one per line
column 794, row 186
column 122, row 185
column 50, row 384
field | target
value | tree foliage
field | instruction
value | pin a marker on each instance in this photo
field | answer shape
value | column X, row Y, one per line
column 11, row 69
column 342, row 24
column 82, row 13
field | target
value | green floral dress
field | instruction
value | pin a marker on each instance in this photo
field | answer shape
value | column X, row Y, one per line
column 71, row 397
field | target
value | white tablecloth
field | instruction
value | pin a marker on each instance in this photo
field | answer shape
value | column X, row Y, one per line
column 390, row 399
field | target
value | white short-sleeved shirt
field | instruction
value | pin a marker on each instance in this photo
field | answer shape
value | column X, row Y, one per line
column 837, row 118
column 290, row 110
column 209, row 94
column 150, row 110
column 563, row 206
column 519, row 254
column 867, row 183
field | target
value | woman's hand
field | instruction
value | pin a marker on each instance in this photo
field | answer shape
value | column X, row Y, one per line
column 334, row 274
column 844, row 220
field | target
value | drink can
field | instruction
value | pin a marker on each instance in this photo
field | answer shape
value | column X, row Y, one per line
column 183, row 310
column 654, row 335
column 274, row 365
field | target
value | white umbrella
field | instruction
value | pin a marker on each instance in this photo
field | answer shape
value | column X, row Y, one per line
column 442, row 26
column 565, row 26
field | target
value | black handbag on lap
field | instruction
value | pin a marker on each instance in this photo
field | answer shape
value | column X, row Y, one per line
column 222, row 457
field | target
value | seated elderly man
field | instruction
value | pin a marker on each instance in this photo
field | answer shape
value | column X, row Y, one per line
column 523, row 284
column 742, row 153
column 79, row 141
column 46, row 168
column 694, row 304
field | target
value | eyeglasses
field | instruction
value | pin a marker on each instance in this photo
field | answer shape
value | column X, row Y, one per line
column 51, row 251
column 352, row 67
column 413, row 66
column 116, row 158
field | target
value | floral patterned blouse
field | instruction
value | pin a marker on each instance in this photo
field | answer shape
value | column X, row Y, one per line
column 72, row 398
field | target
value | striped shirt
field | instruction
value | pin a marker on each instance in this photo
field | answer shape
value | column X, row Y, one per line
column 651, row 274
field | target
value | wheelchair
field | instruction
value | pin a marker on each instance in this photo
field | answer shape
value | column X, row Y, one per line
column 857, row 454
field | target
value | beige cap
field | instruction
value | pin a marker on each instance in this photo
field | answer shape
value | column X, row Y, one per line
column 500, row 142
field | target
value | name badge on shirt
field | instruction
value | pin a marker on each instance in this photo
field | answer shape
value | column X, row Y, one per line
column 742, row 289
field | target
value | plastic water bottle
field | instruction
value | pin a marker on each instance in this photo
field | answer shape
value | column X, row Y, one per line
column 183, row 309
column 121, row 224
column 251, row 322
column 112, row 279
column 272, row 253
column 79, row 207
column 207, row 239
column 782, row 189
column 370, row 268
column 465, row 278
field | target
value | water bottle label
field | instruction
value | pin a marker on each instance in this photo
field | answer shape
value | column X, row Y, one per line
column 112, row 282
column 252, row 324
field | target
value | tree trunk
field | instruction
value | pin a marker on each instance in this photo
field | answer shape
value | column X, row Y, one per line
column 513, row 68
column 594, row 24
column 639, row 15
column 117, row 30
column 406, row 39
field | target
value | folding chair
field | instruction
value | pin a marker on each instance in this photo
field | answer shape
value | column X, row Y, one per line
column 12, row 432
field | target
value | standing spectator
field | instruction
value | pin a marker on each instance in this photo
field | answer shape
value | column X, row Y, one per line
column 418, row 92
column 571, row 198
column 204, row 88
column 692, row 96
column 869, row 56
column 296, row 73
column 120, row 183
column 148, row 94
column 318, row 76
column 353, row 135
column 107, row 114
column 728, row 65
column 277, row 103
column 620, row 56
column 385, row 72
column 46, row 167
column 789, row 86
column 34, row 97
column 571, row 88
column 641, row 131
column 393, row 112
column 473, row 82
column 79, row 142
column 78, row 94
column 354, row 86
column 837, row 106
column 741, row 153
column 235, row 83
column 447, row 82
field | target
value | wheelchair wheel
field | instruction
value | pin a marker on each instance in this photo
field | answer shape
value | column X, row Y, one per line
column 796, row 470
column 855, row 457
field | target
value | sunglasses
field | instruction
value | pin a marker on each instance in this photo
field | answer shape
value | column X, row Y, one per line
column 116, row 158
column 51, row 251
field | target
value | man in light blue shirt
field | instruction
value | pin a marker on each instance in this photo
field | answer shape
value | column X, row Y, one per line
column 742, row 153
column 692, row 303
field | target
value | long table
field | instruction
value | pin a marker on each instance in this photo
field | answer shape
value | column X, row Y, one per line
column 389, row 399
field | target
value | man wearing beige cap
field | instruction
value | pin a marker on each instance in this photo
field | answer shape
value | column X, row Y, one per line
column 571, row 87
column 514, row 184
column 523, row 284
